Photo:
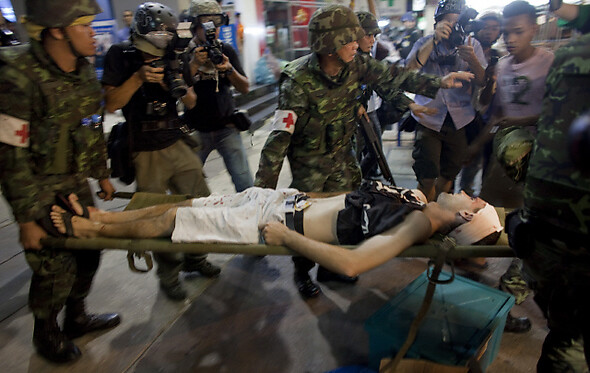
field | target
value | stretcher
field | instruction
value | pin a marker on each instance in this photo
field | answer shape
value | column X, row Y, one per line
column 140, row 247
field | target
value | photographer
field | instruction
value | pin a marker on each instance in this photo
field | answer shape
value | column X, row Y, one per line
column 441, row 138
column 137, row 79
column 216, row 68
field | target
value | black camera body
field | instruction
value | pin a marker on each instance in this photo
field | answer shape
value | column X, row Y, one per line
column 176, row 61
column 465, row 25
column 212, row 45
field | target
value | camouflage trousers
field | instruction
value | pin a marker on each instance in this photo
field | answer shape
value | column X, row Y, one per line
column 59, row 277
column 559, row 274
column 178, row 169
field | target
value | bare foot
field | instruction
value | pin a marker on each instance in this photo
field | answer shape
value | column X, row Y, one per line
column 92, row 211
column 82, row 228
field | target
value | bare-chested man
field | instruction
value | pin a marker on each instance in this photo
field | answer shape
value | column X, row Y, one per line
column 383, row 220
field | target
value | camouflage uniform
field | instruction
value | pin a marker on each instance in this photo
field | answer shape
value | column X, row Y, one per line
column 320, row 149
column 58, row 119
column 66, row 147
column 557, row 204
column 322, row 109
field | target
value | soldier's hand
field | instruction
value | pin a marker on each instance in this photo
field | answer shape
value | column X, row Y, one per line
column 453, row 80
column 151, row 74
column 442, row 31
column 363, row 112
column 106, row 189
column 419, row 110
column 30, row 235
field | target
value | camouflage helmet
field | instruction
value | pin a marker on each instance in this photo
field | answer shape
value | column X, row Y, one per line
column 204, row 7
column 59, row 13
column 207, row 10
column 153, row 27
column 448, row 7
column 368, row 23
column 332, row 27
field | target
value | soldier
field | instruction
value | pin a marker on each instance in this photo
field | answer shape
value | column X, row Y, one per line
column 316, row 118
column 410, row 35
column 555, row 241
column 134, row 82
column 52, row 141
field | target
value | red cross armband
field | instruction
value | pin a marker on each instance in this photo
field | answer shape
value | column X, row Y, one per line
column 284, row 120
column 14, row 131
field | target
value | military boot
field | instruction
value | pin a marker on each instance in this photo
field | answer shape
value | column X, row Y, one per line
column 78, row 322
column 204, row 267
column 52, row 343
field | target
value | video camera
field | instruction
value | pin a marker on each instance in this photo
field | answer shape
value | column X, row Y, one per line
column 212, row 45
column 176, row 61
column 465, row 26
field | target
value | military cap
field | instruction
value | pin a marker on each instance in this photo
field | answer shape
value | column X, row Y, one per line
column 332, row 27
column 408, row 17
column 368, row 23
column 448, row 7
column 59, row 13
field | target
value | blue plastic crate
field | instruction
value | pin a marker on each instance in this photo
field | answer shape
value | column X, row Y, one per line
column 463, row 316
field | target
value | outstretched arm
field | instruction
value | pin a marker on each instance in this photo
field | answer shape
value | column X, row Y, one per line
column 370, row 254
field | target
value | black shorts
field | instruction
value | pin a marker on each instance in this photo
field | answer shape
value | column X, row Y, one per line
column 439, row 153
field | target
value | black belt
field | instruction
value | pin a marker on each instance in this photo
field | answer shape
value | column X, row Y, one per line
column 154, row 125
column 294, row 217
column 294, row 220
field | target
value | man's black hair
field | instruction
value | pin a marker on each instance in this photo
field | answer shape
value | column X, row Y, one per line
column 519, row 7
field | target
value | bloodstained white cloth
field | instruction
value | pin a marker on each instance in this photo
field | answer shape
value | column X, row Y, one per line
column 233, row 218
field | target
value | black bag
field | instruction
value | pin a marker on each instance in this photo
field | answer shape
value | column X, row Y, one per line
column 407, row 123
column 240, row 120
column 119, row 151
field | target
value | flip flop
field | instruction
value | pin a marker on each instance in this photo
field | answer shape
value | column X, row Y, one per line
column 63, row 202
column 47, row 224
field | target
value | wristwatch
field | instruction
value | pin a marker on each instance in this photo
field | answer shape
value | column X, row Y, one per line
column 227, row 72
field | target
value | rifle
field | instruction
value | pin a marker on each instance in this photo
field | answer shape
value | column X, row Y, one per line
column 374, row 145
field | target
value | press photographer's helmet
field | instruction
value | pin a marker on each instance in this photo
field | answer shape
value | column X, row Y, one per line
column 448, row 7
column 207, row 10
column 368, row 23
column 332, row 27
column 153, row 27
column 59, row 13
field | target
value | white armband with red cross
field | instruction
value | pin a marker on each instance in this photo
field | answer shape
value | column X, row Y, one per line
column 14, row 131
column 284, row 120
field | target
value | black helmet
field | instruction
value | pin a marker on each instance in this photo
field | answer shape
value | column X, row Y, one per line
column 153, row 27
column 448, row 7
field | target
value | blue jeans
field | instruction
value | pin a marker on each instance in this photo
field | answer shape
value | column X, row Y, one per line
column 228, row 143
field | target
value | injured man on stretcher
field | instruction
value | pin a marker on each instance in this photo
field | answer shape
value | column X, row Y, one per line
column 382, row 220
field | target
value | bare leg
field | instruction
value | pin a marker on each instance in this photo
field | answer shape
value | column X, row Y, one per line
column 426, row 186
column 97, row 215
column 161, row 225
column 443, row 185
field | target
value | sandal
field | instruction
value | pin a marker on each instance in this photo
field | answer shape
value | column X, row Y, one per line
column 63, row 202
column 47, row 224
